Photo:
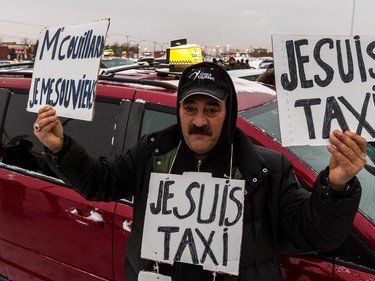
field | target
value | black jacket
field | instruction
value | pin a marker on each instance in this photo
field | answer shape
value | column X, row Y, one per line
column 276, row 211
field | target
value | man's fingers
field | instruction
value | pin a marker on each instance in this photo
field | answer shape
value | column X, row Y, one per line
column 46, row 118
column 360, row 141
column 349, row 146
column 37, row 128
column 44, row 109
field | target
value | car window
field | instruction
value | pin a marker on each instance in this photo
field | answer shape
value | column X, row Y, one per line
column 156, row 120
column 19, row 145
column 21, row 148
column 95, row 136
column 153, row 119
column 316, row 157
column 3, row 100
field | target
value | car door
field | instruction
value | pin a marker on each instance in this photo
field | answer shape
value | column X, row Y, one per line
column 49, row 232
column 3, row 101
column 145, row 118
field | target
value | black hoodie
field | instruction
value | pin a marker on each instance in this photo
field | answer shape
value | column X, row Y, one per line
column 218, row 159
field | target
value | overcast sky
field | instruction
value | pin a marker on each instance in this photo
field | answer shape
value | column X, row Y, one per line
column 240, row 23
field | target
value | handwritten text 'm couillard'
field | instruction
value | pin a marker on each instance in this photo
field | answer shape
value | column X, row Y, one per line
column 62, row 47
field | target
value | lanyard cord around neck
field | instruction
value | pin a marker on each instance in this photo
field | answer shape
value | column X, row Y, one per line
column 230, row 168
column 231, row 163
column 174, row 158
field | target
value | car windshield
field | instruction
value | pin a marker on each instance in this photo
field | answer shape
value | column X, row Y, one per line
column 266, row 118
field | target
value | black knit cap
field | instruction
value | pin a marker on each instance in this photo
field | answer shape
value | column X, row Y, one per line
column 203, row 79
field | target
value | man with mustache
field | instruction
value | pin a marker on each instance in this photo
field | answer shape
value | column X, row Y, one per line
column 206, row 139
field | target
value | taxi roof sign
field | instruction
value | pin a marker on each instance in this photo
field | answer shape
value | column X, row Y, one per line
column 180, row 57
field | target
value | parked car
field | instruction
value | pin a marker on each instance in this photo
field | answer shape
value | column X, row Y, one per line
column 266, row 63
column 49, row 232
column 114, row 61
column 249, row 74
column 5, row 62
column 16, row 65
column 261, row 62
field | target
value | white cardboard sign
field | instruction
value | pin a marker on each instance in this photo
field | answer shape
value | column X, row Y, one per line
column 324, row 83
column 196, row 219
column 66, row 69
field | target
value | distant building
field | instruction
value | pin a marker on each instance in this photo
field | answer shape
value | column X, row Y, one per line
column 260, row 52
column 14, row 51
column 4, row 53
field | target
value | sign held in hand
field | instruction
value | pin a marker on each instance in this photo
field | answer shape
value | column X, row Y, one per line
column 194, row 218
column 324, row 83
column 66, row 69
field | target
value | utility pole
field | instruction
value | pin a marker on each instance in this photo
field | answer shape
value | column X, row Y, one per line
column 353, row 12
column 154, row 47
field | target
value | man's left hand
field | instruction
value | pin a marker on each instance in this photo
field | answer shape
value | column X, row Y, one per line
column 348, row 157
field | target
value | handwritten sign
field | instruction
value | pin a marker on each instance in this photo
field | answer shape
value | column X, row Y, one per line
column 196, row 219
column 66, row 69
column 324, row 83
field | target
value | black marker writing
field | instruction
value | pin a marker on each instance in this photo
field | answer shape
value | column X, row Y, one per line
column 68, row 93
column 343, row 51
column 333, row 111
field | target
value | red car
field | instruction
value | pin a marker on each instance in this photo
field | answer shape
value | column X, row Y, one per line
column 49, row 232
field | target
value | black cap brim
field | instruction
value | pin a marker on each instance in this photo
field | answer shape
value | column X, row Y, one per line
column 216, row 94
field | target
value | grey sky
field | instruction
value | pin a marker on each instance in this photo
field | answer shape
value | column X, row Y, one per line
column 241, row 23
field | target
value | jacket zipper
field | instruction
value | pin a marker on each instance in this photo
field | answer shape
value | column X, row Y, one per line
column 199, row 165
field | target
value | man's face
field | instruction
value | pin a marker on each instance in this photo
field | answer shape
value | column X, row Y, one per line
column 202, row 120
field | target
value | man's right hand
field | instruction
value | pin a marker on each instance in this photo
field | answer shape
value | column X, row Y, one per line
column 48, row 129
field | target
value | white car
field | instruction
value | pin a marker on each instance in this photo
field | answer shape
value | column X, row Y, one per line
column 248, row 74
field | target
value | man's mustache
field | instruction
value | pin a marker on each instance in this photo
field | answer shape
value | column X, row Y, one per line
column 204, row 130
